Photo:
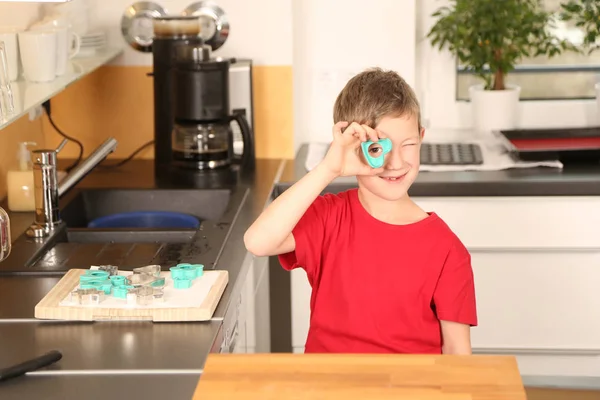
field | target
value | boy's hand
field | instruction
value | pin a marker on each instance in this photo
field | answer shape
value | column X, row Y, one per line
column 344, row 156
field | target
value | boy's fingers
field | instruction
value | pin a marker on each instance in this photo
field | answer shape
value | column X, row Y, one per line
column 337, row 128
column 358, row 131
column 381, row 134
column 371, row 133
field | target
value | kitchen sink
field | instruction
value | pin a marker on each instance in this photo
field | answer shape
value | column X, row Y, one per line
column 75, row 245
column 90, row 204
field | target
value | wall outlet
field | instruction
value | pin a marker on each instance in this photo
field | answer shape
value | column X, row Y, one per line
column 35, row 113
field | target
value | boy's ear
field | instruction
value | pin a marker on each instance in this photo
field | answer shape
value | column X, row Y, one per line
column 422, row 133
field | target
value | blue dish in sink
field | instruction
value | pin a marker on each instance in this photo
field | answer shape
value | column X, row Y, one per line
column 147, row 219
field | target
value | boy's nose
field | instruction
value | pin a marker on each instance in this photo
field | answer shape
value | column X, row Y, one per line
column 395, row 160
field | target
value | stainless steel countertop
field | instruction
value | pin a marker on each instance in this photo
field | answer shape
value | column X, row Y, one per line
column 165, row 358
column 20, row 294
column 94, row 387
column 110, row 346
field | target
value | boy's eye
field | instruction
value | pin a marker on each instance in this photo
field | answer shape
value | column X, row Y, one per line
column 410, row 144
column 375, row 149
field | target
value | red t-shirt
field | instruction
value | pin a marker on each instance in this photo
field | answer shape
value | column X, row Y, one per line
column 377, row 287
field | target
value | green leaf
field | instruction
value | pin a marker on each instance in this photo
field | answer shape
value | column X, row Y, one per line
column 498, row 34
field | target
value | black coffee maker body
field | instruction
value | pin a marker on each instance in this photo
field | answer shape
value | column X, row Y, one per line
column 202, row 137
column 192, row 117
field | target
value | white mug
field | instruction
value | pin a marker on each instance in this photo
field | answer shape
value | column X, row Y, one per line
column 68, row 45
column 38, row 55
column 9, row 37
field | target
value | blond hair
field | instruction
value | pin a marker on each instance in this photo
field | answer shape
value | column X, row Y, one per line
column 374, row 94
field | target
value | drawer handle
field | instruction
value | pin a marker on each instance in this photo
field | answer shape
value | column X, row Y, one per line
column 539, row 351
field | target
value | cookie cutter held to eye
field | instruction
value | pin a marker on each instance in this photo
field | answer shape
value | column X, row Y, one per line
column 376, row 161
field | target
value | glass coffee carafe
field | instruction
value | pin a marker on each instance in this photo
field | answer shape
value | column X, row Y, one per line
column 202, row 145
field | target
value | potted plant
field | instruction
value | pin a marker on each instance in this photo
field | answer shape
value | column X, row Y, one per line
column 489, row 38
column 585, row 14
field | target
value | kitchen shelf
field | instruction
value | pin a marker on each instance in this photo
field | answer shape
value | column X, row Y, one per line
column 28, row 95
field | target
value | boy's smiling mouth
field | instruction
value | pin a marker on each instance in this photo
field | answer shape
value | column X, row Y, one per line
column 393, row 178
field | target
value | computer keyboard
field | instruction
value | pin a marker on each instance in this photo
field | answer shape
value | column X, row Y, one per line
column 451, row 154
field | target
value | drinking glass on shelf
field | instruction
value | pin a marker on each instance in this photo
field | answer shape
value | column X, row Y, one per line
column 7, row 104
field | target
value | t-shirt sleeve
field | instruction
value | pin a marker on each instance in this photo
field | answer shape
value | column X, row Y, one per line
column 309, row 235
column 454, row 295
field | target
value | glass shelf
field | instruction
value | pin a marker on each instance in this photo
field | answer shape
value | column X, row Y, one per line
column 28, row 95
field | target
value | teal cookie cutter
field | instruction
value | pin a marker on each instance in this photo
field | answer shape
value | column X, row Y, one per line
column 93, row 275
column 187, row 271
column 184, row 274
column 118, row 280
column 104, row 285
column 181, row 283
column 158, row 282
column 378, row 160
column 120, row 292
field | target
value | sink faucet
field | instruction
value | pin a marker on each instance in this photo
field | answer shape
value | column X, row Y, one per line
column 4, row 235
column 48, row 190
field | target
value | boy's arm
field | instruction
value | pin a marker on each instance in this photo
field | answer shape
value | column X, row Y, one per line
column 455, row 301
column 271, row 233
column 456, row 338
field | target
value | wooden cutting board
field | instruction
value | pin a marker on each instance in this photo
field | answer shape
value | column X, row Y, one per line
column 203, row 298
column 359, row 377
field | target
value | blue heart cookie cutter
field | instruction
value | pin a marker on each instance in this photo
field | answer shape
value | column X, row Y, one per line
column 376, row 162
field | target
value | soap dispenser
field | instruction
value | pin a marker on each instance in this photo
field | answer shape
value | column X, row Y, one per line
column 21, row 193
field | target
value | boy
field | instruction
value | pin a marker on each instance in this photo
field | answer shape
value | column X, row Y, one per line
column 386, row 276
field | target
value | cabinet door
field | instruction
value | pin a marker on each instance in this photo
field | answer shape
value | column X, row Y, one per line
column 301, row 292
column 538, row 301
column 520, row 222
column 248, row 307
column 245, row 339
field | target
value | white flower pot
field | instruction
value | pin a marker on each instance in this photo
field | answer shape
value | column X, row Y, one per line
column 494, row 110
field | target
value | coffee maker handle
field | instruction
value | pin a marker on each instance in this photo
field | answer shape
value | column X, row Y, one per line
column 248, row 140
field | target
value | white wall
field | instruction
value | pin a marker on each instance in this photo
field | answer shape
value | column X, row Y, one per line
column 259, row 29
column 334, row 40
column 18, row 15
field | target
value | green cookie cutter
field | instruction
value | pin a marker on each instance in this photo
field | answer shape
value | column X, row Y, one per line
column 181, row 283
column 187, row 271
column 376, row 162
column 93, row 275
column 120, row 292
column 118, row 280
column 158, row 282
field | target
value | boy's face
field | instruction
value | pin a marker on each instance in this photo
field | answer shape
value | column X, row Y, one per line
column 401, row 164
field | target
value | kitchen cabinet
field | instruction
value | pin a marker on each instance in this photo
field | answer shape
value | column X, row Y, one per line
column 259, row 332
column 252, row 317
column 536, row 262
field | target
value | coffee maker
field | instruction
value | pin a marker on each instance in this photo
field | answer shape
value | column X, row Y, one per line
column 202, row 137
column 191, row 103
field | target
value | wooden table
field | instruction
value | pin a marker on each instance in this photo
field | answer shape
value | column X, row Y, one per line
column 359, row 377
